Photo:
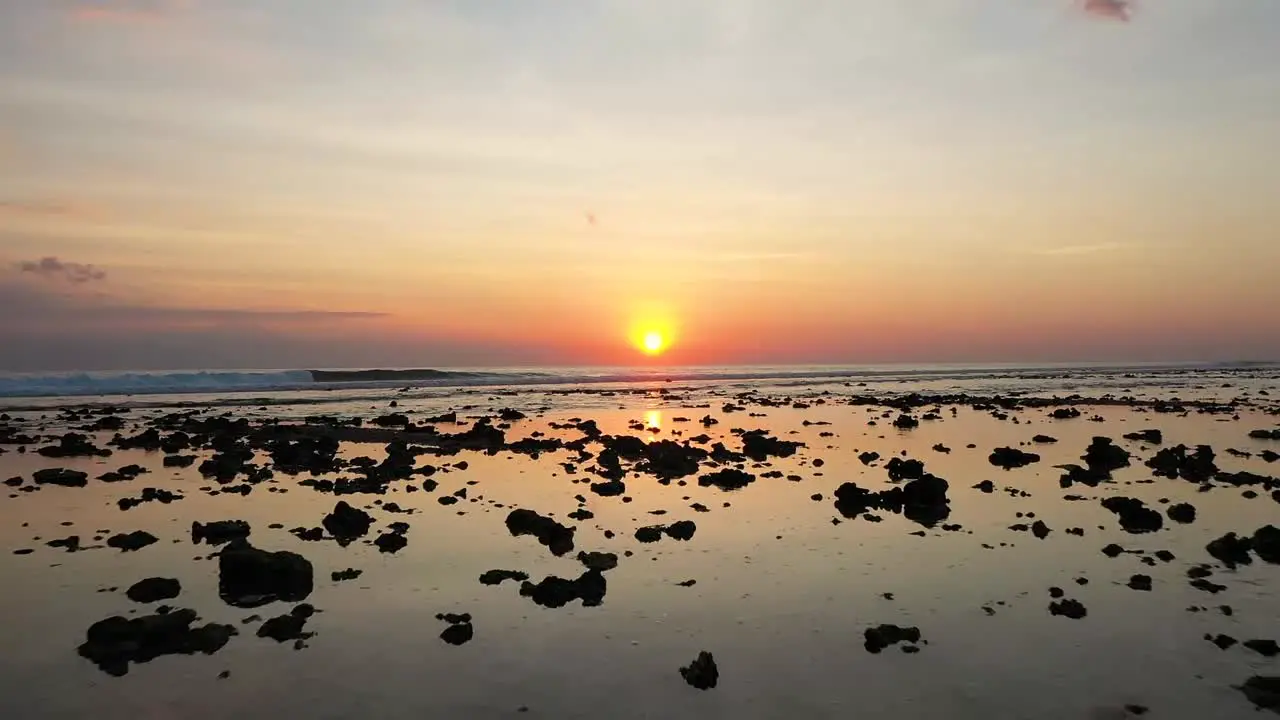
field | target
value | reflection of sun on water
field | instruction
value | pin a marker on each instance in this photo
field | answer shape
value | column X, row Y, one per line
column 653, row 419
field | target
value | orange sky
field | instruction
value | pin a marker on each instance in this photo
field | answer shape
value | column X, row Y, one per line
column 442, row 183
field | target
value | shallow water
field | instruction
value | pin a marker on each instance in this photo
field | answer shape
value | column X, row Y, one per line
column 782, row 597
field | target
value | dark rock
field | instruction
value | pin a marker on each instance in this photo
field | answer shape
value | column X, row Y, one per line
column 1184, row 513
column 1140, row 582
column 650, row 534
column 70, row 543
column 458, row 633
column 882, row 636
column 758, row 446
column 148, row 439
column 74, row 444
column 1174, row 462
column 1151, row 437
column 1068, row 608
column 219, row 532
column 1265, row 434
column 985, row 486
column 1112, row 550
column 923, row 501
column 127, row 542
column 1135, row 516
column 555, row 592
column 348, row 574
column 1266, row 543
column 1243, row 478
column 1266, row 648
column 60, row 476
column 553, row 535
column 1224, row 642
column 906, row 422
column 154, row 589
column 1064, row 413
column 1084, row 476
column 391, row 420
column 682, row 530
column 670, row 460
column 124, row 474
column 900, row 469
column 148, row 495
column 1043, row 439
column 287, row 627
column 1231, row 550
column 601, row 561
column 1207, row 586
column 391, row 542
column 1263, row 691
column 702, row 673
column 113, row 643
column 866, row 458
column 347, row 523
column 612, row 488
column 315, row 534
column 1103, row 456
column 1039, row 529
column 727, row 479
column 249, row 577
column 495, row 577
column 1010, row 458
column 179, row 461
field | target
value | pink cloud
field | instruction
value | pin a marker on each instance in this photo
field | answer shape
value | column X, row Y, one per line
column 1120, row 10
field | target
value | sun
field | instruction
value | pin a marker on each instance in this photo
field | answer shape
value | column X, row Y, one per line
column 653, row 343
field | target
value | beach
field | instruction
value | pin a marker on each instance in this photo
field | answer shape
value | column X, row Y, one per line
column 890, row 545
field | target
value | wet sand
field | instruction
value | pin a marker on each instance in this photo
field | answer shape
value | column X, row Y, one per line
column 790, row 571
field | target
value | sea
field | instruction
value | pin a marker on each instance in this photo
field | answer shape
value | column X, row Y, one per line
column 289, row 386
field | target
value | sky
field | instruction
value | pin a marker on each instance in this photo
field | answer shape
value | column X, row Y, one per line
column 444, row 183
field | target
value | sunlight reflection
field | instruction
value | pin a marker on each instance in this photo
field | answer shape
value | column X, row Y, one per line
column 653, row 420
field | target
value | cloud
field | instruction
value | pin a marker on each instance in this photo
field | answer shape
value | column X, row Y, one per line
column 1082, row 249
column 1121, row 10
column 52, row 328
column 51, row 268
column 43, row 208
column 128, row 11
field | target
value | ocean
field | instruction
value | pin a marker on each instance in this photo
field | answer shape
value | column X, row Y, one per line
column 301, row 385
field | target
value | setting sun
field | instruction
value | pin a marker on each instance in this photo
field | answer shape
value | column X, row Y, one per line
column 653, row 342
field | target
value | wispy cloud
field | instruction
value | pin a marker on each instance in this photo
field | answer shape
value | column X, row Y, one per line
column 1121, row 10
column 44, row 208
column 1082, row 249
column 51, row 268
column 128, row 11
